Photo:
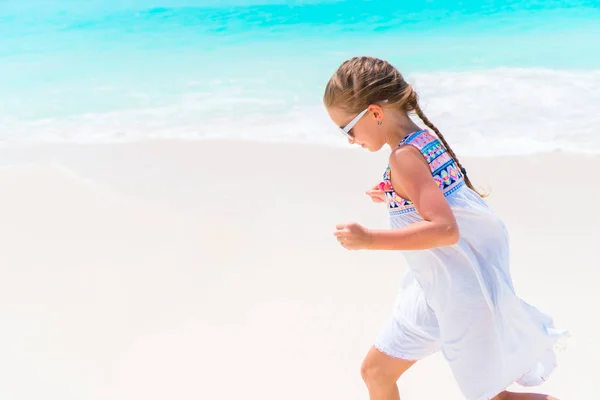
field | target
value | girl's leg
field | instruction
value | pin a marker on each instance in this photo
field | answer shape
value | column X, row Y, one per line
column 523, row 396
column 380, row 373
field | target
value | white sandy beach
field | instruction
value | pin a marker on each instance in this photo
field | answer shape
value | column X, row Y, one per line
column 208, row 270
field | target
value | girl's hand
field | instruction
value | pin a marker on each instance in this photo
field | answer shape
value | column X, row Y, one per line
column 376, row 194
column 353, row 236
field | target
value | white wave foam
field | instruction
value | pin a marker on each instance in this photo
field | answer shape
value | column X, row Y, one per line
column 514, row 111
column 487, row 113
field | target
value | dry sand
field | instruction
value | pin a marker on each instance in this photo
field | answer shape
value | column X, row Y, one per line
column 208, row 270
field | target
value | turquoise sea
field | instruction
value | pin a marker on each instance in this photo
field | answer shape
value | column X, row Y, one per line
column 498, row 77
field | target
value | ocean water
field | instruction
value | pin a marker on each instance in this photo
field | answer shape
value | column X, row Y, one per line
column 497, row 77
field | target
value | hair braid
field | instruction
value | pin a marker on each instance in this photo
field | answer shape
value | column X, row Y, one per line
column 427, row 122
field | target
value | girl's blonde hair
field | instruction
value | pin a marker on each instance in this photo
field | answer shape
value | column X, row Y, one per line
column 361, row 81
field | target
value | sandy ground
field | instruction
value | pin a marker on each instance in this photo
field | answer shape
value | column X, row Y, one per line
column 208, row 270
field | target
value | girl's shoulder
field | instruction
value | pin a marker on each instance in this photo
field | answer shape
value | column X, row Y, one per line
column 443, row 168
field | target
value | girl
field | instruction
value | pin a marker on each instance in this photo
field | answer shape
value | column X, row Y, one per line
column 457, row 296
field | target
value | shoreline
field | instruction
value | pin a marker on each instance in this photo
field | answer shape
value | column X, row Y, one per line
column 6, row 147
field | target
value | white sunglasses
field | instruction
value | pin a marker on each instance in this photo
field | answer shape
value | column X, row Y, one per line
column 346, row 129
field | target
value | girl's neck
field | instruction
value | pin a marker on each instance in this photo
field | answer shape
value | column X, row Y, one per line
column 401, row 128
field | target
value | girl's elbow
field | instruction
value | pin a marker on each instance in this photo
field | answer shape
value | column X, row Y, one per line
column 451, row 234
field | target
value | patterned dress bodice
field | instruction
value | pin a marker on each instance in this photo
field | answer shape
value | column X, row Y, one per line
column 444, row 170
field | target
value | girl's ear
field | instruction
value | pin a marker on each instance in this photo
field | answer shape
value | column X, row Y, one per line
column 376, row 112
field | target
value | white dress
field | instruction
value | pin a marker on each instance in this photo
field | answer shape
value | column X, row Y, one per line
column 460, row 299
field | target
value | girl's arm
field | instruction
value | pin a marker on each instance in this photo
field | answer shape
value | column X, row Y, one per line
column 438, row 228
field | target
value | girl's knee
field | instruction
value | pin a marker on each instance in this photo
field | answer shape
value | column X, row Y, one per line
column 372, row 373
column 380, row 369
